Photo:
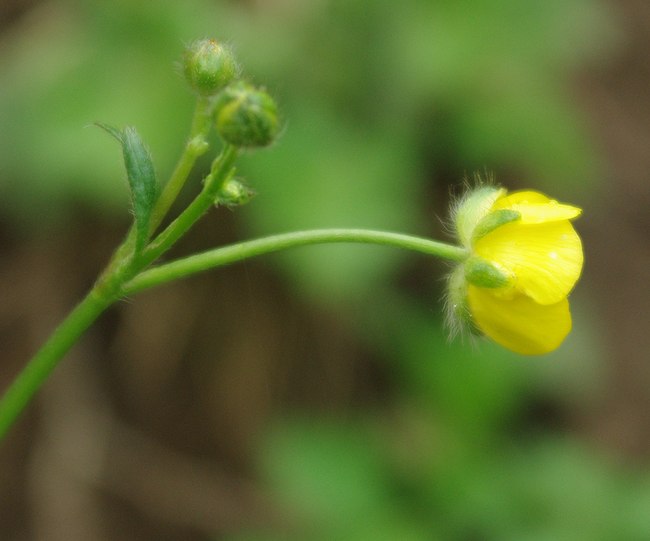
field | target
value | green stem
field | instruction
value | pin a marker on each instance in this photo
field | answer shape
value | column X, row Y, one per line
column 41, row 365
column 196, row 146
column 245, row 250
column 112, row 287
column 125, row 264
column 220, row 172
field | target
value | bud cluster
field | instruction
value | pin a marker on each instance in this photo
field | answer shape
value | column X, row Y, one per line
column 245, row 116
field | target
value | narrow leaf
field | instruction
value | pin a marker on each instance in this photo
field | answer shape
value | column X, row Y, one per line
column 110, row 130
column 142, row 179
column 141, row 175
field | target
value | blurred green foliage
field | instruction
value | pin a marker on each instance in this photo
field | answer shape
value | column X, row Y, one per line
column 380, row 102
column 361, row 481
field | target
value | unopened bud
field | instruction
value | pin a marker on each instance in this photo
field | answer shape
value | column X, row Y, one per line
column 234, row 193
column 209, row 66
column 246, row 116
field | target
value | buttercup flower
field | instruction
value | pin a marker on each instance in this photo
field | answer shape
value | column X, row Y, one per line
column 524, row 259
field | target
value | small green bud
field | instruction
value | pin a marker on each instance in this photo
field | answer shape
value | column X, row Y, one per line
column 209, row 66
column 234, row 193
column 246, row 116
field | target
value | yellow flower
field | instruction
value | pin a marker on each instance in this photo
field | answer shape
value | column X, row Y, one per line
column 525, row 259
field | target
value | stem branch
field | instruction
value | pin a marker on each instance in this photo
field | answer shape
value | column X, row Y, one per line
column 221, row 169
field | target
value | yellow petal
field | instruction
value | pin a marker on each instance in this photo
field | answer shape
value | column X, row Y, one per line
column 545, row 259
column 536, row 208
column 520, row 324
column 523, row 196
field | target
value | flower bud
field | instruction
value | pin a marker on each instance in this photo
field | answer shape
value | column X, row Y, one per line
column 234, row 193
column 246, row 116
column 209, row 66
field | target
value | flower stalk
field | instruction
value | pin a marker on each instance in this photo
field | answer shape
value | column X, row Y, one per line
column 196, row 146
column 226, row 255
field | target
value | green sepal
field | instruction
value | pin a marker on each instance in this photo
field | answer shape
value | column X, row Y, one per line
column 493, row 220
column 457, row 311
column 141, row 176
column 482, row 273
column 472, row 208
column 458, row 316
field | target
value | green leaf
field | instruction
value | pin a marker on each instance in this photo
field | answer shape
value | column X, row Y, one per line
column 110, row 130
column 141, row 176
column 142, row 179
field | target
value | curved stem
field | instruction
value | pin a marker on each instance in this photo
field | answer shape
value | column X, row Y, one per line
column 245, row 250
column 110, row 289
column 41, row 365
